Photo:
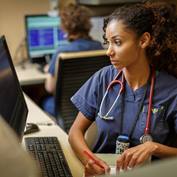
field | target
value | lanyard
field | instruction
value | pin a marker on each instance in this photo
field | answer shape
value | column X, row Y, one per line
column 148, row 120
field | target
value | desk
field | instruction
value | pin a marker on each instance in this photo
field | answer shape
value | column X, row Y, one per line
column 36, row 115
column 29, row 74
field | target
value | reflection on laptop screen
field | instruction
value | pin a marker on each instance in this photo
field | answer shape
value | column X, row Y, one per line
column 12, row 104
column 43, row 35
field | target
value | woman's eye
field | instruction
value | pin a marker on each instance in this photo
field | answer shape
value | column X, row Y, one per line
column 118, row 42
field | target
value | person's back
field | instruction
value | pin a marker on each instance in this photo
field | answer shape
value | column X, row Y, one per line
column 75, row 21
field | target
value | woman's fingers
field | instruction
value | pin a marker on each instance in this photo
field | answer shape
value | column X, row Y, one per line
column 134, row 156
column 128, row 157
column 92, row 168
column 120, row 161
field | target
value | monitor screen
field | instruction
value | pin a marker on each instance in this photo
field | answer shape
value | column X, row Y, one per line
column 12, row 103
column 43, row 35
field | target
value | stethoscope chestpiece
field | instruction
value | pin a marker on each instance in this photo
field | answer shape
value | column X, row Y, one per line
column 146, row 137
column 105, row 117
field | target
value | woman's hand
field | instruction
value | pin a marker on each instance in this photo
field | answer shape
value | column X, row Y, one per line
column 92, row 168
column 135, row 156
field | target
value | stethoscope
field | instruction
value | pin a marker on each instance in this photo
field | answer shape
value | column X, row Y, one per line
column 146, row 136
column 115, row 81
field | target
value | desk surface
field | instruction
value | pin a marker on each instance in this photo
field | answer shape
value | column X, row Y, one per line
column 29, row 74
column 36, row 115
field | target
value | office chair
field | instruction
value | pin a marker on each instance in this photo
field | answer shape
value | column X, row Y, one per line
column 72, row 70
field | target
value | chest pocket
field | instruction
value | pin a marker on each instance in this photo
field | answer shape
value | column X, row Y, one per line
column 159, row 126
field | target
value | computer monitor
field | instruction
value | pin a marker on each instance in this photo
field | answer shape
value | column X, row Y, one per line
column 12, row 103
column 43, row 36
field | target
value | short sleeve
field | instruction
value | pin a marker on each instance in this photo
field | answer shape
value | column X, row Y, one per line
column 86, row 98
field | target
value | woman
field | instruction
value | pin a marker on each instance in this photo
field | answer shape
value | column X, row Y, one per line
column 75, row 22
column 142, row 46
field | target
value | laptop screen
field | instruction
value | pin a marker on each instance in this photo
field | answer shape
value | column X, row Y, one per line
column 43, row 35
column 12, row 103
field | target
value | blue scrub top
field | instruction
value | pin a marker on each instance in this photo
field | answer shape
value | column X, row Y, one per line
column 164, row 112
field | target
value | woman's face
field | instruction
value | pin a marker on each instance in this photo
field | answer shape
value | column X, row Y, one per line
column 123, row 46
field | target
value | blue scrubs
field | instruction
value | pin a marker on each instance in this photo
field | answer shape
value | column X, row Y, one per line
column 164, row 111
column 74, row 46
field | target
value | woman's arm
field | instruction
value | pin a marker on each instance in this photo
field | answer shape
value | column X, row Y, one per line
column 164, row 151
column 78, row 143
column 50, row 83
column 139, row 154
column 76, row 136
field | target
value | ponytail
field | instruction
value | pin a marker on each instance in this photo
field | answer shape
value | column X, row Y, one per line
column 164, row 37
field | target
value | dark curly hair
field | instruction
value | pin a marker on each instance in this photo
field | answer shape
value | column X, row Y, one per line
column 75, row 20
column 160, row 20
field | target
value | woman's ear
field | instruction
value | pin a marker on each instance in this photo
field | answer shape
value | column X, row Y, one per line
column 145, row 40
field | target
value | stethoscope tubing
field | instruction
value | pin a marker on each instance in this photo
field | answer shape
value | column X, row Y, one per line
column 147, row 128
column 116, row 81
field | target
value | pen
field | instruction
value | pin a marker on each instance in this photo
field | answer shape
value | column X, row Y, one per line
column 92, row 158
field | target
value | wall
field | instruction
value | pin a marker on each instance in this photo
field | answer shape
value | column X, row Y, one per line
column 12, row 18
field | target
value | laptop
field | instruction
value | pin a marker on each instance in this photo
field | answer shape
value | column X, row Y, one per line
column 13, row 107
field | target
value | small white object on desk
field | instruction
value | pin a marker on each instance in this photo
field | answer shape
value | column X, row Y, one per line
column 110, row 159
column 113, row 170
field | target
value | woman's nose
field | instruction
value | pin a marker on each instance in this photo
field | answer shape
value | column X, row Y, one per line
column 109, row 51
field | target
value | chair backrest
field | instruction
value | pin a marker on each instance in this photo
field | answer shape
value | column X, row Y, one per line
column 73, row 69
